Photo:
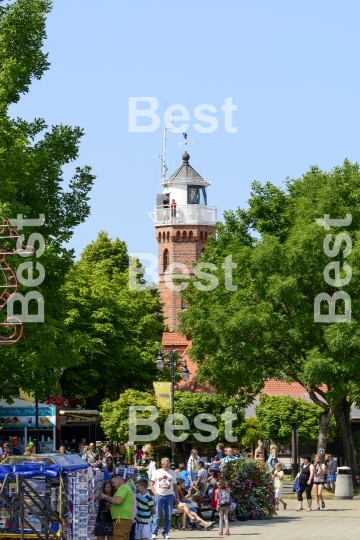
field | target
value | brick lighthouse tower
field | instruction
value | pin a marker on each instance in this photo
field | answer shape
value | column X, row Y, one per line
column 183, row 222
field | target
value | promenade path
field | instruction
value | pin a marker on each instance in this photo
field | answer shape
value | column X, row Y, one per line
column 340, row 520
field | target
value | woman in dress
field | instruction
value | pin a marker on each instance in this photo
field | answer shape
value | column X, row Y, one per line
column 319, row 480
column 104, row 524
column 306, row 477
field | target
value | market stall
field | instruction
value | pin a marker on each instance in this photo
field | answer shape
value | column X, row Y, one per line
column 65, row 486
column 19, row 419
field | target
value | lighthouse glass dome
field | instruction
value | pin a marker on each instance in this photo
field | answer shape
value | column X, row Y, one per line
column 184, row 198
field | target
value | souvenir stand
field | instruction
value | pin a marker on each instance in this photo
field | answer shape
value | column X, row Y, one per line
column 64, row 483
column 19, row 419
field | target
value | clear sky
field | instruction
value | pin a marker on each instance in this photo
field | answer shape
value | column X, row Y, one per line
column 291, row 67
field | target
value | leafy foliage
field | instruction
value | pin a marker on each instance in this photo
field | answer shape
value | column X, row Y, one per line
column 120, row 329
column 276, row 413
column 192, row 404
column 265, row 328
column 32, row 160
column 115, row 415
column 251, row 432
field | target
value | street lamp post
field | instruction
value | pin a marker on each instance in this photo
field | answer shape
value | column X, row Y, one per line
column 185, row 374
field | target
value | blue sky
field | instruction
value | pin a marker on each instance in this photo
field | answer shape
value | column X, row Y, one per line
column 291, row 67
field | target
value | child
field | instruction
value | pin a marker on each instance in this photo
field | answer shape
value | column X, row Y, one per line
column 223, row 503
column 212, row 494
column 145, row 509
column 200, row 483
column 272, row 459
column 184, row 475
column 278, row 484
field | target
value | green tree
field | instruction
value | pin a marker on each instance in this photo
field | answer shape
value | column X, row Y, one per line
column 120, row 329
column 251, row 433
column 265, row 328
column 32, row 161
column 276, row 413
column 115, row 415
column 192, row 404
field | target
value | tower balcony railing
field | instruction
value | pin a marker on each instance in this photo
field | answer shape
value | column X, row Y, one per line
column 197, row 214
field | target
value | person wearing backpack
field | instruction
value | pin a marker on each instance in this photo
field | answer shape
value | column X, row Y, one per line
column 223, row 503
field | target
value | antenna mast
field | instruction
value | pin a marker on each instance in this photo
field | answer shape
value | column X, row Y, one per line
column 163, row 158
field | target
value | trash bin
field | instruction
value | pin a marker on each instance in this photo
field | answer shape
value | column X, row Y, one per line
column 344, row 484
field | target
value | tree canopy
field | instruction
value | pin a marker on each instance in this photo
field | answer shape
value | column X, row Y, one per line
column 115, row 415
column 265, row 328
column 120, row 329
column 32, row 161
column 276, row 413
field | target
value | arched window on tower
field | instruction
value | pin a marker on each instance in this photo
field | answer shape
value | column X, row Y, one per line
column 201, row 236
column 191, row 235
column 159, row 237
column 184, row 236
column 165, row 260
column 178, row 236
column 167, row 236
column 163, row 237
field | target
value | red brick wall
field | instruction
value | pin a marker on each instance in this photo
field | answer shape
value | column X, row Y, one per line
column 185, row 244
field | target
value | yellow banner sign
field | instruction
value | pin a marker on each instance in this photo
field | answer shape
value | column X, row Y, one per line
column 26, row 396
column 163, row 394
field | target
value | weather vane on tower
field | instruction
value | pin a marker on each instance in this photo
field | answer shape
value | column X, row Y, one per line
column 185, row 135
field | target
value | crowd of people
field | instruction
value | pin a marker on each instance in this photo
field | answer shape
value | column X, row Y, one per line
column 13, row 449
column 124, row 515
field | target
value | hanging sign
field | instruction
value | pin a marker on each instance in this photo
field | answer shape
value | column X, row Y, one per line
column 163, row 394
column 18, row 417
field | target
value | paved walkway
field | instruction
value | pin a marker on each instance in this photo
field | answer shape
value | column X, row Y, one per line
column 340, row 520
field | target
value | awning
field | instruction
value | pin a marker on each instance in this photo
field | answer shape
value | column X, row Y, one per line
column 36, row 465
column 81, row 414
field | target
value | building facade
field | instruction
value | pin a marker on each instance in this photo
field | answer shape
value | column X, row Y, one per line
column 183, row 223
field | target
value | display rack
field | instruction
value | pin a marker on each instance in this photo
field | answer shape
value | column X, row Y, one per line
column 55, row 500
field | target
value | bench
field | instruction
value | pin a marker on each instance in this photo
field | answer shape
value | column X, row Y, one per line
column 203, row 502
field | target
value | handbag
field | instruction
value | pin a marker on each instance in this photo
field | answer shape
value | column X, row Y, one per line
column 296, row 486
column 214, row 469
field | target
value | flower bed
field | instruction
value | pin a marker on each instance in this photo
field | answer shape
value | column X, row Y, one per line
column 252, row 487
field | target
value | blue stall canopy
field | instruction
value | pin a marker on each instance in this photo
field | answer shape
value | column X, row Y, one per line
column 51, row 466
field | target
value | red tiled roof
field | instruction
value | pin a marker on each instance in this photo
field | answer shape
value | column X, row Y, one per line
column 274, row 387
column 173, row 338
column 294, row 389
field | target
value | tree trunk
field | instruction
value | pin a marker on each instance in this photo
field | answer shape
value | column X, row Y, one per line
column 342, row 416
column 324, row 423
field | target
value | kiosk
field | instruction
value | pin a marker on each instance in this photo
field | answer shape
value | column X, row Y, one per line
column 53, row 493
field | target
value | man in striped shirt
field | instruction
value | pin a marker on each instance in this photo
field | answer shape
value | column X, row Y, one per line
column 145, row 509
